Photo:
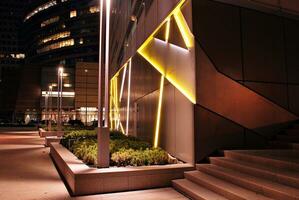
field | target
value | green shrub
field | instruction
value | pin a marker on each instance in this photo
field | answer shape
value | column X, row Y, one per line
column 116, row 145
column 153, row 156
column 124, row 151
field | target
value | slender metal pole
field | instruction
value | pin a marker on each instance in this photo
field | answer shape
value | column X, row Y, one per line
column 100, row 67
column 107, row 63
column 86, row 96
column 60, row 105
column 50, row 107
column 58, row 99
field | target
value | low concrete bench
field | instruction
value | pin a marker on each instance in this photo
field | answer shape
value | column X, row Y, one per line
column 84, row 180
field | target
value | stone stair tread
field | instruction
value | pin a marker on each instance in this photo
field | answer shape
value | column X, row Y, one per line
column 196, row 191
column 248, row 179
column 279, row 172
column 289, row 155
column 223, row 186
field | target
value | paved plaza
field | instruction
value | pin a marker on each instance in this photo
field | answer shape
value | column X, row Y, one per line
column 27, row 173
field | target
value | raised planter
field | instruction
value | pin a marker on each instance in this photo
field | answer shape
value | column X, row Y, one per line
column 44, row 133
column 83, row 180
column 52, row 139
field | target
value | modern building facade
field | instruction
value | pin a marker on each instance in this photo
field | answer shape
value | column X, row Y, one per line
column 184, row 73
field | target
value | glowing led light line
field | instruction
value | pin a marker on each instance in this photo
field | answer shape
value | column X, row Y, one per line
column 129, row 95
column 157, row 131
column 171, row 79
column 122, row 83
column 167, row 31
column 184, row 29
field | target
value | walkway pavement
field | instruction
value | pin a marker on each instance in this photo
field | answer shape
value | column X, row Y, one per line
column 27, row 173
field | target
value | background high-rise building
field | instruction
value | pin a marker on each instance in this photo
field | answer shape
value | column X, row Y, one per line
column 36, row 37
column 11, row 53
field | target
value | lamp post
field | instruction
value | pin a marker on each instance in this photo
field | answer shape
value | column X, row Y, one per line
column 86, row 70
column 59, row 96
column 46, row 107
column 50, row 108
column 103, row 133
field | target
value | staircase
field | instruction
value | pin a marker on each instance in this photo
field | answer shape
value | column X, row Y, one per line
column 248, row 174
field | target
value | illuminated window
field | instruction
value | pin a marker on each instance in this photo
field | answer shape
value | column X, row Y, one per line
column 41, row 8
column 58, row 45
column 55, row 37
column 63, row 1
column 49, row 21
column 81, row 41
column 73, row 13
column 94, row 9
column 17, row 55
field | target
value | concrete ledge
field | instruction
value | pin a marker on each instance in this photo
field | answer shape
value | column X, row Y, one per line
column 44, row 133
column 83, row 180
column 52, row 139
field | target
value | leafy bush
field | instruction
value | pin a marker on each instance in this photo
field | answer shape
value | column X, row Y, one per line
column 86, row 150
column 153, row 156
column 124, row 151
column 116, row 145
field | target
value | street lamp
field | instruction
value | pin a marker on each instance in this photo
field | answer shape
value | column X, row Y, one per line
column 46, row 107
column 86, row 70
column 103, row 133
column 50, row 107
column 59, row 96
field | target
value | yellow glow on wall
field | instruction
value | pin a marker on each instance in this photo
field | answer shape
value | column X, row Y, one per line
column 129, row 96
column 188, row 39
column 157, row 131
column 184, row 29
column 167, row 31
column 171, row 78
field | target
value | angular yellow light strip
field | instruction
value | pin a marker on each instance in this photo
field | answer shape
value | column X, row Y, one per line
column 122, row 83
column 188, row 39
column 172, row 79
column 167, row 31
column 129, row 96
column 175, row 10
column 157, row 131
column 184, row 29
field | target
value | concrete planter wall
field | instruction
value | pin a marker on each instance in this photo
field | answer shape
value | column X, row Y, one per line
column 83, row 180
column 44, row 133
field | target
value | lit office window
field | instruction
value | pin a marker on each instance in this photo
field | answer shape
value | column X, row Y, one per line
column 17, row 55
column 41, row 8
column 49, row 21
column 81, row 41
column 73, row 13
column 58, row 45
column 94, row 9
column 55, row 37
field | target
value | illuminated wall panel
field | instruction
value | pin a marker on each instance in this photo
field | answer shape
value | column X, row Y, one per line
column 158, row 65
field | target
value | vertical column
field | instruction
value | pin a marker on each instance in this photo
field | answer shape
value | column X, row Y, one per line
column 103, row 156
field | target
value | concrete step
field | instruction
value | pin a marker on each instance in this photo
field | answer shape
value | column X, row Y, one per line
column 195, row 191
column 262, row 186
column 224, row 188
column 286, row 145
column 277, row 161
column 277, row 175
column 288, row 138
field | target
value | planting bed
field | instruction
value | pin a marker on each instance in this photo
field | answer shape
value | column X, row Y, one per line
column 134, row 164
